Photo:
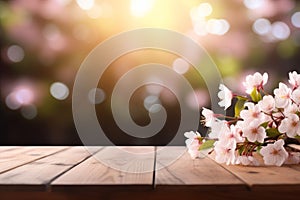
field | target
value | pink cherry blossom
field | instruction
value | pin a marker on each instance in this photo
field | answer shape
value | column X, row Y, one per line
column 224, row 154
column 293, row 158
column 294, row 79
column 235, row 134
column 193, row 149
column 296, row 96
column 267, row 104
column 240, row 124
column 254, row 132
column 230, row 136
column 252, row 113
column 247, row 160
column 217, row 128
column 209, row 116
column 274, row 154
column 237, row 138
column 282, row 96
column 225, row 95
column 291, row 109
column 192, row 143
column 255, row 81
column 192, row 136
column 290, row 125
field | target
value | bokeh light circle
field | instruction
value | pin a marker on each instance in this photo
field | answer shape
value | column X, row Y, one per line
column 280, row 30
column 15, row 53
column 180, row 66
column 261, row 26
column 29, row 111
column 59, row 90
column 96, row 96
column 296, row 19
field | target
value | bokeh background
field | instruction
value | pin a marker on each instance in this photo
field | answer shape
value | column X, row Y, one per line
column 43, row 43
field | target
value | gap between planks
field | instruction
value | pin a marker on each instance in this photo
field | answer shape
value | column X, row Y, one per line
column 48, row 185
column 35, row 175
column 241, row 173
column 15, row 152
column 154, row 168
column 123, row 167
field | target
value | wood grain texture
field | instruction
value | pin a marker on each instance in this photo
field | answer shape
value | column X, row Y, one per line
column 295, row 146
column 128, row 173
column 37, row 174
column 187, row 173
column 111, row 166
column 11, row 158
column 295, row 167
column 8, row 148
column 267, row 177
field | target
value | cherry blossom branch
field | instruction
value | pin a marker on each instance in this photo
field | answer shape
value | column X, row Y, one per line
column 263, row 124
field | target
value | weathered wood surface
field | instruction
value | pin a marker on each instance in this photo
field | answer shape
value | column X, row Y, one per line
column 37, row 174
column 135, row 173
column 204, row 173
column 12, row 157
column 127, row 166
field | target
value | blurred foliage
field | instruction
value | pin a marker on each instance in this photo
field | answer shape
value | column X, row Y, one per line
column 43, row 42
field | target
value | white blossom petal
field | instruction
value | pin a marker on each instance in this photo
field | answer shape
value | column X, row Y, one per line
column 267, row 104
column 282, row 96
column 274, row 154
column 294, row 79
column 290, row 125
column 255, row 81
column 225, row 96
column 209, row 116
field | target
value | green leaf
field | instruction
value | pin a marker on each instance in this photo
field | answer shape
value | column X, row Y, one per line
column 255, row 95
column 200, row 138
column 272, row 132
column 239, row 106
column 207, row 144
column 258, row 149
column 241, row 149
column 265, row 124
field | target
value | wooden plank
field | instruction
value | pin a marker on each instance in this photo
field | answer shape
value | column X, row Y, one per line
column 38, row 174
column 146, row 195
column 264, row 178
column 295, row 146
column 11, row 158
column 7, row 148
column 92, row 149
column 295, row 167
column 123, row 167
column 118, row 173
column 187, row 173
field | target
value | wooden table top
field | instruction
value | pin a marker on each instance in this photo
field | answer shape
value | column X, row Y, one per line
column 74, row 173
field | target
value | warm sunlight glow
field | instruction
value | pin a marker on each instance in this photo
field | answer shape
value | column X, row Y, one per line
column 253, row 4
column 139, row 8
column 85, row 4
column 204, row 9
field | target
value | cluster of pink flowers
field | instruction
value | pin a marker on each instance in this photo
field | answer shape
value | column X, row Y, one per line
column 263, row 124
